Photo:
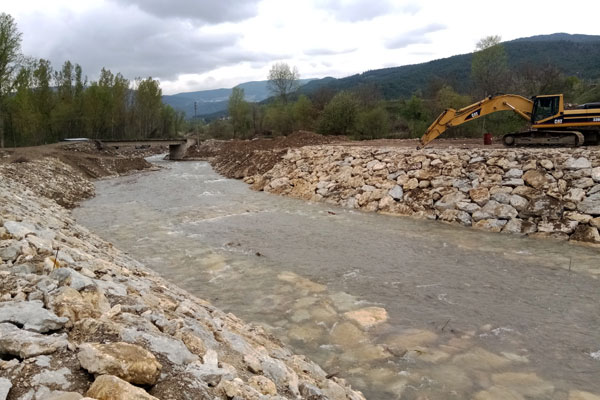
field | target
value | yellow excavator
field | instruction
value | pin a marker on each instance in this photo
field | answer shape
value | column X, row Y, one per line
column 551, row 124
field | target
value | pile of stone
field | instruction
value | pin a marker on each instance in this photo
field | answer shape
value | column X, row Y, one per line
column 80, row 318
column 540, row 192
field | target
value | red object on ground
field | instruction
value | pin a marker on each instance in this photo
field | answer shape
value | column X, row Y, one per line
column 487, row 139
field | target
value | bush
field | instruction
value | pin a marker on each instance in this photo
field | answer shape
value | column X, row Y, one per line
column 373, row 123
column 339, row 115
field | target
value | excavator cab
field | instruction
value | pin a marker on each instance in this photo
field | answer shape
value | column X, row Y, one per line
column 545, row 107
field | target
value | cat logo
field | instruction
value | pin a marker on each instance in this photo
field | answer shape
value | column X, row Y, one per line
column 475, row 114
column 558, row 121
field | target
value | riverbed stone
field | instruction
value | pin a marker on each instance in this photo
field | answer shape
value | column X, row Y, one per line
column 368, row 316
column 526, row 384
column 480, row 359
column 108, row 387
column 127, row 361
column 581, row 395
column 31, row 315
column 396, row 192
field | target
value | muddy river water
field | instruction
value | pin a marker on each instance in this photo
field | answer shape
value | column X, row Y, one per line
column 469, row 314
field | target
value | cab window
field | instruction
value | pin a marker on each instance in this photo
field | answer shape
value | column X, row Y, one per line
column 545, row 107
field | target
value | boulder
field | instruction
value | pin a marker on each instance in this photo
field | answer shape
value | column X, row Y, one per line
column 574, row 195
column 31, row 315
column 587, row 234
column 493, row 225
column 590, row 204
column 596, row 174
column 127, row 361
column 26, row 344
column 449, row 201
column 5, row 386
column 108, row 387
column 535, row 178
column 396, row 193
column 579, row 163
column 479, row 195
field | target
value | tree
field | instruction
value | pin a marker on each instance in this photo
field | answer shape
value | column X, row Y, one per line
column 10, row 55
column 416, row 114
column 148, row 104
column 304, row 113
column 373, row 123
column 283, row 80
column 489, row 67
column 239, row 112
column 339, row 115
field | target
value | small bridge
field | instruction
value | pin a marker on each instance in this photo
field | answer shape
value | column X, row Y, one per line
column 177, row 147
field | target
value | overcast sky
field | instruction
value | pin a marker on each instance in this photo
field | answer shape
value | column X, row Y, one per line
column 206, row 44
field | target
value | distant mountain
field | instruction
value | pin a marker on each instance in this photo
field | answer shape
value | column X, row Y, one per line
column 576, row 55
column 214, row 101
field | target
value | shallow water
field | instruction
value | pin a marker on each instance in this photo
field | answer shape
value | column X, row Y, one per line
column 468, row 311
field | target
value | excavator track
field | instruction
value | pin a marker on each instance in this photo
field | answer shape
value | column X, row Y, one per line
column 544, row 138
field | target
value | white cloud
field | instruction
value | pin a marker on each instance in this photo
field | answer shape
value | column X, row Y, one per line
column 198, row 44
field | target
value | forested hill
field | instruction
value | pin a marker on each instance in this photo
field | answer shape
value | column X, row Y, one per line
column 211, row 101
column 573, row 55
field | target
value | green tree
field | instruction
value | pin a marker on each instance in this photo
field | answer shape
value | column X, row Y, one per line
column 416, row 115
column 304, row 113
column 339, row 115
column 10, row 55
column 489, row 67
column 21, row 110
column 239, row 112
column 279, row 118
column 44, row 98
column 148, row 105
column 283, row 80
column 373, row 123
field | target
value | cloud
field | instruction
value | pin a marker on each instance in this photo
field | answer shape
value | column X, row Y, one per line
column 211, row 12
column 327, row 52
column 364, row 10
column 416, row 36
column 136, row 44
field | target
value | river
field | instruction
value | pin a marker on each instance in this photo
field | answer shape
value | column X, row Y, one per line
column 469, row 313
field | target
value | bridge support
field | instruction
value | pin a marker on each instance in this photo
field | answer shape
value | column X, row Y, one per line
column 177, row 151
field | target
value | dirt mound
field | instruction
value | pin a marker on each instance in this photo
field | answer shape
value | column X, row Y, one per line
column 62, row 172
column 239, row 158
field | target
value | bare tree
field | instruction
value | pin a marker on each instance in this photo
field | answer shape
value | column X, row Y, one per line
column 283, row 80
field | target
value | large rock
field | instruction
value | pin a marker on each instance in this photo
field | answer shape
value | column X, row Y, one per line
column 5, row 386
column 596, row 174
column 396, row 193
column 173, row 349
column 500, row 211
column 108, row 387
column 479, row 195
column 587, row 234
column 127, row 361
column 544, row 206
column 590, row 205
column 535, row 178
column 31, row 315
column 579, row 163
column 26, row 344
column 448, row 202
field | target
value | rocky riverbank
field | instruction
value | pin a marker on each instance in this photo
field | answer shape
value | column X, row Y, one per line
column 538, row 192
column 80, row 318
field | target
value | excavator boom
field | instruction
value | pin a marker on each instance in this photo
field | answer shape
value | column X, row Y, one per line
column 451, row 117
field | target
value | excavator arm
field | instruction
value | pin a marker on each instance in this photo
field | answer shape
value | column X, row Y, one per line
column 491, row 104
